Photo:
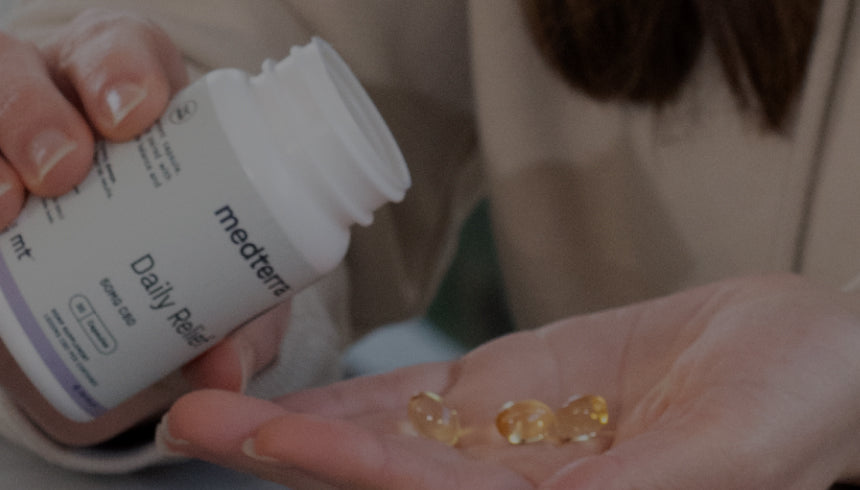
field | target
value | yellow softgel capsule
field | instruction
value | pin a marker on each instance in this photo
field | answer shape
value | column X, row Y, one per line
column 433, row 419
column 582, row 417
column 526, row 421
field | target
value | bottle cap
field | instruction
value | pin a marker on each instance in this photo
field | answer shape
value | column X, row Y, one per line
column 323, row 117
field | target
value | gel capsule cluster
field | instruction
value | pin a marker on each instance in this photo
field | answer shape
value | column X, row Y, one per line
column 522, row 422
column 580, row 419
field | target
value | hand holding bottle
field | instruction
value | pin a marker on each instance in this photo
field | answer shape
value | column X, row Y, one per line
column 105, row 75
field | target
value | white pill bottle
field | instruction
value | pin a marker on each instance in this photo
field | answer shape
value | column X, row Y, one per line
column 242, row 194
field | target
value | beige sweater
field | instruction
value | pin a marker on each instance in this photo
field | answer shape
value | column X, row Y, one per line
column 594, row 204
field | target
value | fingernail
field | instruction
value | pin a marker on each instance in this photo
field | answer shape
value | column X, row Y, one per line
column 47, row 149
column 4, row 188
column 164, row 440
column 250, row 450
column 122, row 98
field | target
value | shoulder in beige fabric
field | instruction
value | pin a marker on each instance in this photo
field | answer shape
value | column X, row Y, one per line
column 599, row 204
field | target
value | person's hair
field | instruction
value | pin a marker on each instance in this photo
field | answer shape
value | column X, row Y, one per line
column 643, row 50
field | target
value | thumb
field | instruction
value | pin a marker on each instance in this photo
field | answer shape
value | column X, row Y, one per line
column 232, row 363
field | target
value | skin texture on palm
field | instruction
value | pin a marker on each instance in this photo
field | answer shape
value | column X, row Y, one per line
column 747, row 383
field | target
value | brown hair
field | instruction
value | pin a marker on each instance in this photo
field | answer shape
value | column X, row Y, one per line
column 643, row 50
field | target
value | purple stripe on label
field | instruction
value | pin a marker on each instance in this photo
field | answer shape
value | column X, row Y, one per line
column 42, row 345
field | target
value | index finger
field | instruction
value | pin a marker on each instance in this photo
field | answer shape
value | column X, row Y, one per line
column 385, row 391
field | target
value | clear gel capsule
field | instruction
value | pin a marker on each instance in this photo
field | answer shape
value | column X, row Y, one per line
column 582, row 417
column 433, row 419
column 526, row 421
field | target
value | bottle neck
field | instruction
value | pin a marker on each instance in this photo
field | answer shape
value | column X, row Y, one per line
column 330, row 134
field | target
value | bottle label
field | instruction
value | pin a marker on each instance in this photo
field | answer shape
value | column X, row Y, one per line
column 160, row 252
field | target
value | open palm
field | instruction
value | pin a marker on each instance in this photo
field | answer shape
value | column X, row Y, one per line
column 749, row 383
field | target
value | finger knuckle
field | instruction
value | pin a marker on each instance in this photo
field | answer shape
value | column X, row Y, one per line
column 98, row 31
column 97, row 20
column 19, row 100
column 22, row 83
column 15, row 52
